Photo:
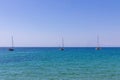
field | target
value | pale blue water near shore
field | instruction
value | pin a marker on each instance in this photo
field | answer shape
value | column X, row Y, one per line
column 52, row 64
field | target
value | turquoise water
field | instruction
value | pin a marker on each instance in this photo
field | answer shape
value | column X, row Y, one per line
column 52, row 64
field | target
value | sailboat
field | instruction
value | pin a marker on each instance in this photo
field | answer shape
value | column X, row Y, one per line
column 62, row 48
column 98, row 45
column 12, row 48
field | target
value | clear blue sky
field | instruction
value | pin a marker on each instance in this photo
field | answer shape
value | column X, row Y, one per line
column 45, row 22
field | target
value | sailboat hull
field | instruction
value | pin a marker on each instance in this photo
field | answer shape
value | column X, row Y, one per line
column 62, row 49
column 98, row 48
column 11, row 49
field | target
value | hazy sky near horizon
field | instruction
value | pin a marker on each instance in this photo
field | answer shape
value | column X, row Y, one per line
column 45, row 22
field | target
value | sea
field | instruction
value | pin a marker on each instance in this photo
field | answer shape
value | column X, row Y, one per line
column 74, row 63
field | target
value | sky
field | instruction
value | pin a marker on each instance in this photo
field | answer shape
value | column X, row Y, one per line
column 43, row 23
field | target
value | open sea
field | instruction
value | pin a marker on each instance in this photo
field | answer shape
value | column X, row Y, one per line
column 53, row 64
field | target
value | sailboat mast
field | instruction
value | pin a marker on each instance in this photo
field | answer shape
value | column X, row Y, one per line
column 98, row 45
column 62, row 43
column 12, row 42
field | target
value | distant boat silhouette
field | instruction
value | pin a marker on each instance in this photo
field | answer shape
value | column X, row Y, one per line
column 98, row 44
column 12, row 47
column 62, row 48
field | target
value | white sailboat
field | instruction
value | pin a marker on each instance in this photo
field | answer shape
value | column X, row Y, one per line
column 12, row 47
column 98, row 44
column 62, row 48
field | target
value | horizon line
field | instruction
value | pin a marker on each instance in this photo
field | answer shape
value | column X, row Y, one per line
column 58, row 47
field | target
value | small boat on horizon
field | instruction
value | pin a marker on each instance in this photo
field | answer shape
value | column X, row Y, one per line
column 62, row 48
column 98, row 48
column 12, row 47
column 98, row 44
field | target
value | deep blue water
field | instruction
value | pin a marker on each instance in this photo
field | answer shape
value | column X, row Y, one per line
column 53, row 64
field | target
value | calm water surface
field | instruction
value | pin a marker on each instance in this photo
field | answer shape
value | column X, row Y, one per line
column 52, row 64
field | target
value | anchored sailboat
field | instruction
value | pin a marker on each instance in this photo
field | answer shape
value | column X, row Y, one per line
column 98, row 44
column 12, row 47
column 62, row 48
